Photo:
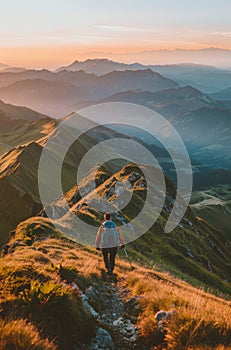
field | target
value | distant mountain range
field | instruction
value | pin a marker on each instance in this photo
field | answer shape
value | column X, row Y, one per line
column 223, row 95
column 51, row 275
column 100, row 66
column 6, row 69
column 61, row 93
column 76, row 78
column 203, row 120
column 203, row 77
column 49, row 97
column 3, row 66
column 203, row 123
column 170, row 102
column 74, row 88
column 17, row 112
column 188, row 109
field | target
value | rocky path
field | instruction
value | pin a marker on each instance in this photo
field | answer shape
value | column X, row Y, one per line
column 107, row 304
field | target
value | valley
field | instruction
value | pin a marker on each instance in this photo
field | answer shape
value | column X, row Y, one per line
column 48, row 258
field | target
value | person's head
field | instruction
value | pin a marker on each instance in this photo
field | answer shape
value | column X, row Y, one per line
column 107, row 216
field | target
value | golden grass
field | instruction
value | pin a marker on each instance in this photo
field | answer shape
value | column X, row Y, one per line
column 202, row 320
column 21, row 335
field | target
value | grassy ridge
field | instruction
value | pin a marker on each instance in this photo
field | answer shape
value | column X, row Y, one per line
column 194, row 250
column 35, row 281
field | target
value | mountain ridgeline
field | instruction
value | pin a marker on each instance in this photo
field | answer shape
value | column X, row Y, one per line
column 54, row 292
column 201, row 118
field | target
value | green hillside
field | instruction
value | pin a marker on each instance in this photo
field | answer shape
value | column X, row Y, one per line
column 193, row 250
column 19, row 166
column 54, row 295
column 214, row 206
column 18, row 132
column 46, row 278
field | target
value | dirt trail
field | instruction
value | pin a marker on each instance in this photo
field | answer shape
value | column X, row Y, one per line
column 109, row 304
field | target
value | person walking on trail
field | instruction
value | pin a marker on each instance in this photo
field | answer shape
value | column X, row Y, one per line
column 108, row 239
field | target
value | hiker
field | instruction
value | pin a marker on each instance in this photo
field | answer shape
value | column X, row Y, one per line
column 109, row 238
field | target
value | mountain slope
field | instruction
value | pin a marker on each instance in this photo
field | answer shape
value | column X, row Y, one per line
column 170, row 102
column 18, row 178
column 203, row 77
column 193, row 249
column 13, row 70
column 206, row 132
column 78, row 78
column 59, row 94
column 49, row 97
column 224, row 95
column 9, row 78
column 196, row 245
column 100, row 66
column 140, row 79
column 19, row 168
column 17, row 112
column 64, row 295
column 203, row 123
column 23, row 142
column 19, row 132
column 214, row 205
column 20, row 125
column 3, row 66
column 206, row 78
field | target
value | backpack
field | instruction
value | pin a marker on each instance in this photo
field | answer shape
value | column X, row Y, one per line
column 109, row 236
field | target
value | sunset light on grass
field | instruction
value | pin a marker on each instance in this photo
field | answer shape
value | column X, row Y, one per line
column 115, row 175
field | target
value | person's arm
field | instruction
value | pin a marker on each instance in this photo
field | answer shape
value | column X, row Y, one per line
column 120, row 238
column 98, row 238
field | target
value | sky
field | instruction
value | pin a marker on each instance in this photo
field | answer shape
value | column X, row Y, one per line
column 55, row 32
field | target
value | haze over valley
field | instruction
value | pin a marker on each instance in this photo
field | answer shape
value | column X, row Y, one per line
column 115, row 175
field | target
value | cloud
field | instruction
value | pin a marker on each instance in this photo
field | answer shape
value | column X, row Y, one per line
column 126, row 29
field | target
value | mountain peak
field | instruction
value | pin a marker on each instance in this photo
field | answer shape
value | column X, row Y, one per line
column 17, row 112
column 3, row 66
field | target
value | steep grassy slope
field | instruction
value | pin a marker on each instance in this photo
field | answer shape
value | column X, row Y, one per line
column 19, row 132
column 214, row 206
column 18, row 179
column 34, row 290
column 193, row 250
column 45, row 280
column 19, row 176
column 20, row 125
column 19, row 167
column 196, row 249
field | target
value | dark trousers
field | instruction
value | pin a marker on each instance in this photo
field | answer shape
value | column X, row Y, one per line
column 109, row 255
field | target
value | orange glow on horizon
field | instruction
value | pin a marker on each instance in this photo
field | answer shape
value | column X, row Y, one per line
column 55, row 56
